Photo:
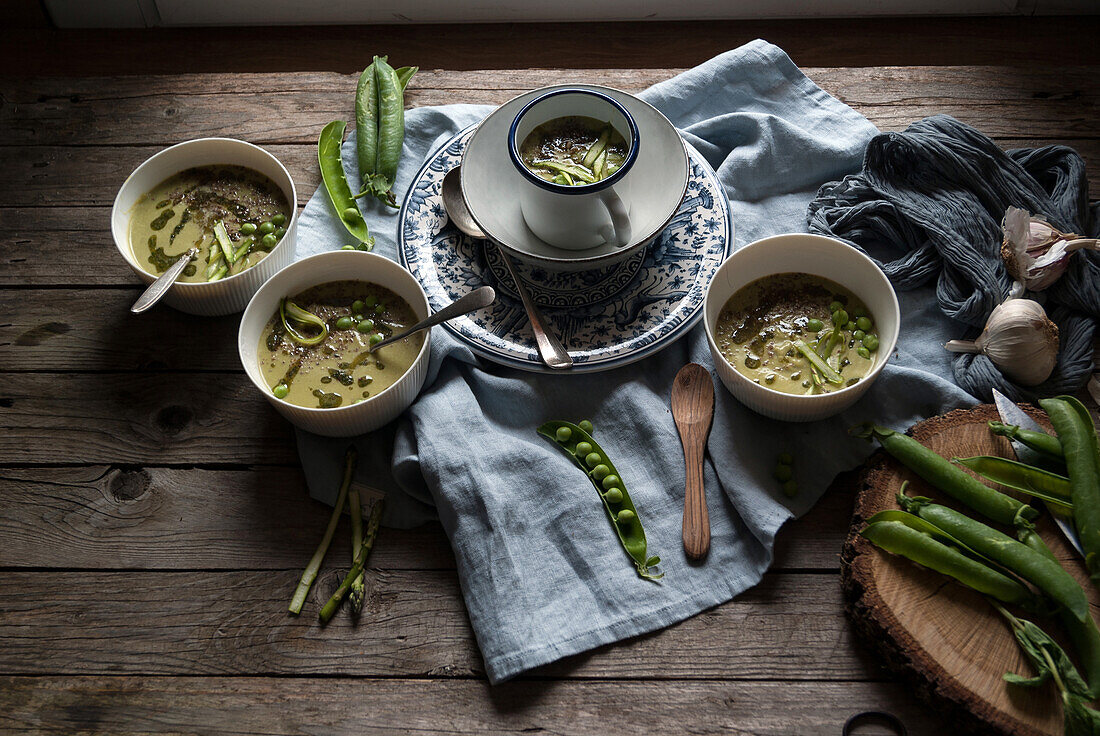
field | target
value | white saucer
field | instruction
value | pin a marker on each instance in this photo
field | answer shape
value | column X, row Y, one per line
column 490, row 181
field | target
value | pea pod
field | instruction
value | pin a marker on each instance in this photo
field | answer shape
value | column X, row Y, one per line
column 391, row 129
column 608, row 483
column 1033, row 566
column 1041, row 442
column 902, row 539
column 1077, row 435
column 336, row 184
column 950, row 479
column 366, row 124
column 1043, row 484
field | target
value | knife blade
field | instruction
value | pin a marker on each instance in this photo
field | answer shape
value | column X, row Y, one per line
column 1010, row 413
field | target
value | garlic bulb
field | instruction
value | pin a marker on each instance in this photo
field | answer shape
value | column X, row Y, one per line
column 1020, row 340
column 1034, row 252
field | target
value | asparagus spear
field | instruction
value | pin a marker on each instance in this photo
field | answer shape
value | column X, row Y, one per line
column 310, row 573
column 357, row 588
column 329, row 609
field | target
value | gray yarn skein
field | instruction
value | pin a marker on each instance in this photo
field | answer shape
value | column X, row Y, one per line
column 933, row 197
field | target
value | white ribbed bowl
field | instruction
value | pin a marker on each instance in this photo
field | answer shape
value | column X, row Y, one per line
column 339, row 265
column 820, row 256
column 227, row 295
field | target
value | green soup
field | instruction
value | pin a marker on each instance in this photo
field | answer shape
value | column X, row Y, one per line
column 337, row 370
column 232, row 214
column 573, row 150
column 766, row 327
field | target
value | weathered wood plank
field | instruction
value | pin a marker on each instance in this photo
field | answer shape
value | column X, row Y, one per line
column 159, row 518
column 1034, row 102
column 63, row 176
column 133, row 705
column 413, row 624
column 260, row 518
column 187, row 419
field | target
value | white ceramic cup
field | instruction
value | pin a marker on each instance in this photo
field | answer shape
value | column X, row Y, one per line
column 340, row 265
column 230, row 294
column 813, row 254
column 583, row 216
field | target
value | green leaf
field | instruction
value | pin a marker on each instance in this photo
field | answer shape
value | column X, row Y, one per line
column 1080, row 720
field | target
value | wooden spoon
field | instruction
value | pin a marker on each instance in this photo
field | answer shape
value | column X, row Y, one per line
column 693, row 410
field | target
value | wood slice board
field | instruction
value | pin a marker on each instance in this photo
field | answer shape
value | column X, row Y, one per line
column 944, row 638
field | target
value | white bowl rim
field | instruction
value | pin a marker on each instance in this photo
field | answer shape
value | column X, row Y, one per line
column 811, row 398
column 588, row 262
column 359, row 404
column 127, row 252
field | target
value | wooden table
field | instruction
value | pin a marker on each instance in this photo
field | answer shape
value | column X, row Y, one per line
column 153, row 517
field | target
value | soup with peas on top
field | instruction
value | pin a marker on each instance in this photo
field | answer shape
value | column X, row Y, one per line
column 797, row 333
column 232, row 214
column 573, row 150
column 313, row 350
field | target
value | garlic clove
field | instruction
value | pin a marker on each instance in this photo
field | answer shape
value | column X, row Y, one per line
column 1020, row 340
column 1034, row 252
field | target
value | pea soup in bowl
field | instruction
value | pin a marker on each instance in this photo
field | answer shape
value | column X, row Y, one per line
column 800, row 325
column 305, row 342
column 233, row 201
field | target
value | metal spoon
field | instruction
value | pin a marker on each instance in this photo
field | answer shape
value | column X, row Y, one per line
column 551, row 351
column 160, row 287
column 476, row 299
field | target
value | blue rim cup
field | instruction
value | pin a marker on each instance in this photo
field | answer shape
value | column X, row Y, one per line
column 586, row 215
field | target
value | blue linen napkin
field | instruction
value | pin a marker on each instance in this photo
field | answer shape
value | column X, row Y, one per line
column 542, row 573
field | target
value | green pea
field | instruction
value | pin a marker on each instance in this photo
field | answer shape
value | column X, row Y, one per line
column 269, row 240
column 815, row 325
column 371, row 300
column 857, row 334
column 863, row 352
column 280, row 391
column 280, row 232
column 357, row 306
column 365, row 326
column 585, row 425
column 840, row 317
column 783, row 473
column 850, row 326
column 626, row 516
column 835, row 307
column 592, row 459
column 583, row 448
column 563, row 434
column 785, row 458
column 376, row 338
column 611, row 481
column 379, row 308
column 345, row 323
column 351, row 214
column 790, row 488
column 614, row 495
column 347, row 247
column 864, row 323
column 600, row 471
column 278, row 219
column 248, row 228
column 870, row 342
column 266, row 227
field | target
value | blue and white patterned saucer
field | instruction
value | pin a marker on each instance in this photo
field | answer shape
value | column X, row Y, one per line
column 606, row 318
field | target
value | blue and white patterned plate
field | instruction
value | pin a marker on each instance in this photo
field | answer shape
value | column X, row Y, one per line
column 606, row 318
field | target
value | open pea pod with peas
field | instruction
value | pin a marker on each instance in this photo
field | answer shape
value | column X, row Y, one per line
column 576, row 441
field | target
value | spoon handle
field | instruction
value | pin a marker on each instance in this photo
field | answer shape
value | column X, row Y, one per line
column 552, row 352
column 164, row 282
column 696, row 530
column 476, row 299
